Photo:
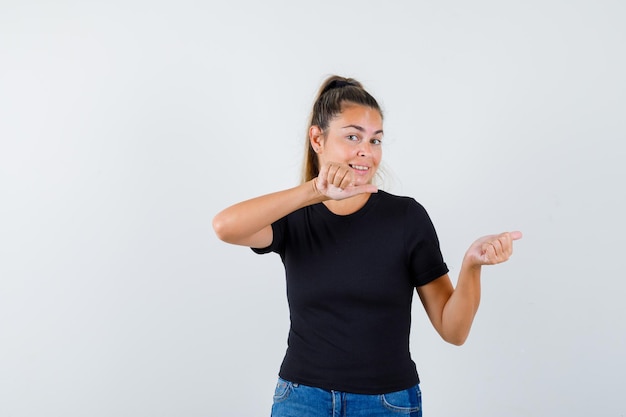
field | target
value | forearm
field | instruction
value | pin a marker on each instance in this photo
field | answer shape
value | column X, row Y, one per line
column 460, row 309
column 238, row 223
column 452, row 310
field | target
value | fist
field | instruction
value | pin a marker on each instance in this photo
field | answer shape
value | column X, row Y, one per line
column 337, row 181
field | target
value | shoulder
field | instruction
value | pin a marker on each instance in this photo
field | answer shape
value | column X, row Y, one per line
column 403, row 202
column 405, row 210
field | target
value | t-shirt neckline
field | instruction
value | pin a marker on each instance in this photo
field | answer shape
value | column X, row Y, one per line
column 360, row 212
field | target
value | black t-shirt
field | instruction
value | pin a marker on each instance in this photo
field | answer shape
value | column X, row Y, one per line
column 350, row 284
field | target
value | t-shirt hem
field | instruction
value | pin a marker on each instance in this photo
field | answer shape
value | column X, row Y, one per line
column 350, row 388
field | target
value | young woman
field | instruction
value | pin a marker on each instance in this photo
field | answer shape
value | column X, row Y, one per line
column 353, row 255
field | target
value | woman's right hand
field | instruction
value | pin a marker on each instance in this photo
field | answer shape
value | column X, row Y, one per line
column 338, row 181
column 248, row 223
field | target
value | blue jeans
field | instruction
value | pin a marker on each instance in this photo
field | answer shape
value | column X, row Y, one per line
column 297, row 400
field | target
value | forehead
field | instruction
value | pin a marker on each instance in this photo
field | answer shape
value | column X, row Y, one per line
column 357, row 114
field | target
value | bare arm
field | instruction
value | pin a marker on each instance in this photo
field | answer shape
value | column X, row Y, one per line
column 452, row 310
column 249, row 223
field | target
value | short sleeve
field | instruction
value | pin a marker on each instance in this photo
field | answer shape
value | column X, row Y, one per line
column 423, row 251
column 278, row 238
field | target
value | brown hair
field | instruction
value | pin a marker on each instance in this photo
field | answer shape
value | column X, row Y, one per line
column 332, row 95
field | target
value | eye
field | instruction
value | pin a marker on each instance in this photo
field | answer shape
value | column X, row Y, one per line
column 376, row 141
column 353, row 137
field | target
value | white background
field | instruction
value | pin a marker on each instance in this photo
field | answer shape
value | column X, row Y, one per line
column 125, row 126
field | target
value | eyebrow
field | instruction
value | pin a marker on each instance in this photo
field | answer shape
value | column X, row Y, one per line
column 360, row 129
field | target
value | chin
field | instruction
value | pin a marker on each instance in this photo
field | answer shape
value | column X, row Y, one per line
column 364, row 182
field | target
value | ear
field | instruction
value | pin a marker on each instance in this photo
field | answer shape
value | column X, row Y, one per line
column 316, row 138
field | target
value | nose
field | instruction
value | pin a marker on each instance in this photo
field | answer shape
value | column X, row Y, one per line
column 365, row 148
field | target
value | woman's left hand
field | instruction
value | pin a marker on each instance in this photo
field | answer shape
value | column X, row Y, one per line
column 492, row 249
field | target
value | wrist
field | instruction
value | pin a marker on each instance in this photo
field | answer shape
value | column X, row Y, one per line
column 318, row 196
column 471, row 263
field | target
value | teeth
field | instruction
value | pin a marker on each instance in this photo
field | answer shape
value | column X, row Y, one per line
column 360, row 167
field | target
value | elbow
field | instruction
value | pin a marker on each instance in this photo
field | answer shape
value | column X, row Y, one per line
column 456, row 341
column 457, row 338
column 221, row 229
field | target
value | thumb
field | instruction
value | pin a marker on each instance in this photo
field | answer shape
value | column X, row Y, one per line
column 516, row 235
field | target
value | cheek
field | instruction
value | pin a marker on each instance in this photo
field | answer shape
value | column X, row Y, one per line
column 377, row 155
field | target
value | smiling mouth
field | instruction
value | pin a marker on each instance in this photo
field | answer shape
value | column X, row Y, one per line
column 359, row 167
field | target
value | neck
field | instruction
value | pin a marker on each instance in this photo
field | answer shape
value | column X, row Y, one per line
column 347, row 206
